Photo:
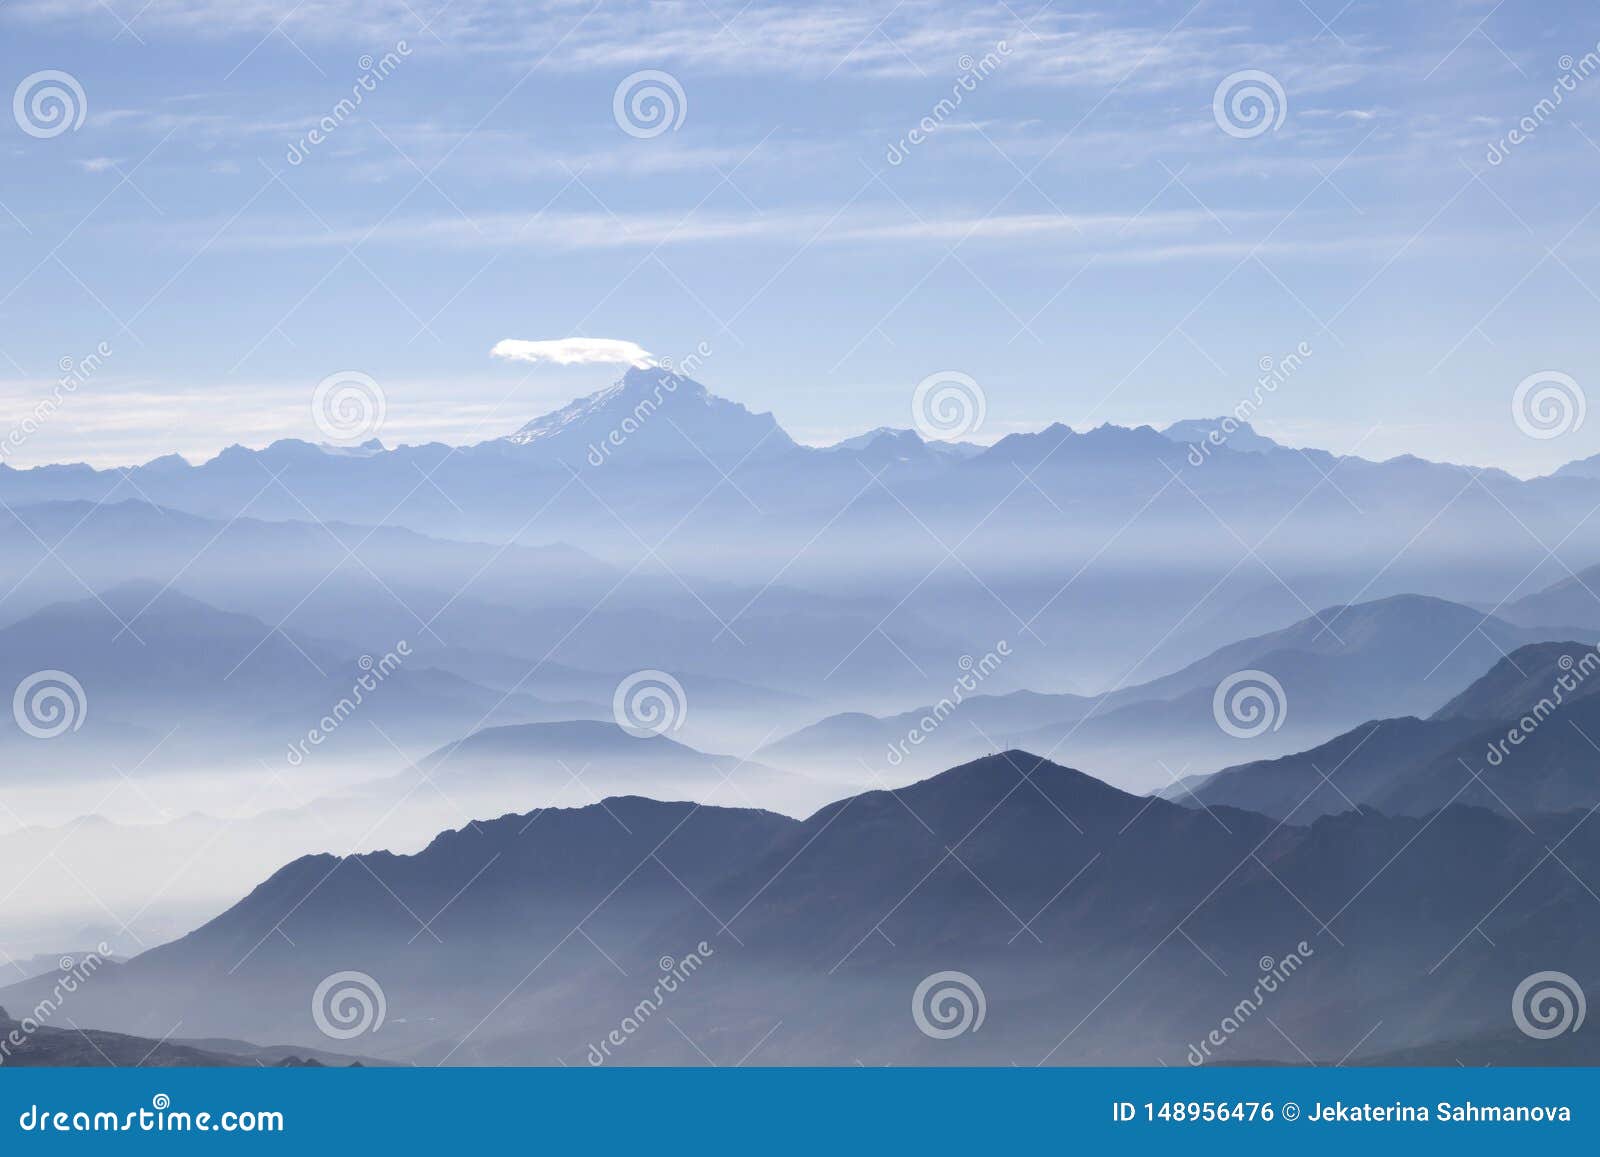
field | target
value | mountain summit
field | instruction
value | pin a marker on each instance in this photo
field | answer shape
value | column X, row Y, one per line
column 651, row 413
column 1225, row 431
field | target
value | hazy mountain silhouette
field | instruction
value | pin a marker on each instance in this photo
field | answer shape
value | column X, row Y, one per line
column 58, row 1046
column 1571, row 600
column 1405, row 654
column 364, row 588
column 577, row 762
column 1101, row 546
column 153, row 662
column 1102, row 927
column 1223, row 431
column 1400, row 819
column 1463, row 753
column 887, row 445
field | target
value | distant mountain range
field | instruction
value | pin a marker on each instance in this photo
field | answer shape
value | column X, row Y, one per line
column 1082, row 542
column 578, row 762
column 1520, row 741
column 883, row 658
column 168, row 676
column 1344, row 665
column 479, row 610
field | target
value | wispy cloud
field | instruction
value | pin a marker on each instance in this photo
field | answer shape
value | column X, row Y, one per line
column 572, row 231
column 910, row 39
column 574, row 351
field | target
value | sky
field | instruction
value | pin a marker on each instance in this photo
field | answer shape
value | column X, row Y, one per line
column 1092, row 232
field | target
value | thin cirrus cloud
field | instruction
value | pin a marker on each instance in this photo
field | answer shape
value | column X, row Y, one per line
column 912, row 40
column 574, row 351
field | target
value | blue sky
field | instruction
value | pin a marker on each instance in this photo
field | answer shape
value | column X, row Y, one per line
column 1080, row 235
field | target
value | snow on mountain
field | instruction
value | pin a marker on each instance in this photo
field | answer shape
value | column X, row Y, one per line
column 652, row 413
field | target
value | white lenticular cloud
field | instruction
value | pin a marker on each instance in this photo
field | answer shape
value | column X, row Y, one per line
column 574, row 351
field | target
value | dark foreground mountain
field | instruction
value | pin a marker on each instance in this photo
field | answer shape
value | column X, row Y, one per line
column 29, row 1044
column 1506, row 1047
column 1087, row 924
column 1521, row 740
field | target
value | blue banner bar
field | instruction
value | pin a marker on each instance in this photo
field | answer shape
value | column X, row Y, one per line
column 967, row 1111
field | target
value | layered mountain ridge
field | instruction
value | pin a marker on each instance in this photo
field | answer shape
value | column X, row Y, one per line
column 1079, row 909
